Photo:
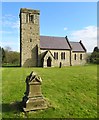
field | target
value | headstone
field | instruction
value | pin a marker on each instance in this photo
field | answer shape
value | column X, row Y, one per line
column 60, row 65
column 33, row 99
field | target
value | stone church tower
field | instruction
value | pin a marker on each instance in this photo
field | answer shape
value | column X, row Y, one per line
column 29, row 37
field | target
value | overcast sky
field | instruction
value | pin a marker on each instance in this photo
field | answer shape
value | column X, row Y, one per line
column 77, row 20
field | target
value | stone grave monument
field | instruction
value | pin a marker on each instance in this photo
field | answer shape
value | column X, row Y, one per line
column 33, row 99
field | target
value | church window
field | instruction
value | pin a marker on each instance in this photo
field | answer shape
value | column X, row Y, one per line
column 31, row 18
column 63, row 55
column 80, row 56
column 56, row 55
column 74, row 56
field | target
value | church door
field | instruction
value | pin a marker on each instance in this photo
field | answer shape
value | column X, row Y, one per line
column 49, row 62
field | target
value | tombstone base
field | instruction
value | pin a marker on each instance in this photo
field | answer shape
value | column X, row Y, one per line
column 35, row 103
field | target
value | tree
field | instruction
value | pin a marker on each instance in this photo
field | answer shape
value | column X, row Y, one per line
column 0, row 56
column 94, row 58
column 9, row 57
column 12, row 57
column 3, row 55
column 96, row 49
column 88, row 57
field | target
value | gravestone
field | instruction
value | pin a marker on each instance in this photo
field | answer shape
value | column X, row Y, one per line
column 60, row 65
column 33, row 99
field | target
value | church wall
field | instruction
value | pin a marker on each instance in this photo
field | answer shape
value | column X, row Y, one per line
column 78, row 61
column 56, row 63
column 31, row 54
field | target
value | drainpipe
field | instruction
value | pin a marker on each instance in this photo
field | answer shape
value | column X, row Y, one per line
column 70, row 49
column 70, row 58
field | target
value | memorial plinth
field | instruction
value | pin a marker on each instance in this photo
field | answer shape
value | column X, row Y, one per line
column 33, row 99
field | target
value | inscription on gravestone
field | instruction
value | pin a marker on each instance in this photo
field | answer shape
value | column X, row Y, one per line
column 33, row 99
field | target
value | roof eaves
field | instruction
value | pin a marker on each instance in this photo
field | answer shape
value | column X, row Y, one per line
column 77, row 51
column 52, row 49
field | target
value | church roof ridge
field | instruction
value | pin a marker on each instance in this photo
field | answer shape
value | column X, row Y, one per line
column 59, row 43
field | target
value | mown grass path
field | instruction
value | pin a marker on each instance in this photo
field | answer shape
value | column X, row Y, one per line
column 72, row 92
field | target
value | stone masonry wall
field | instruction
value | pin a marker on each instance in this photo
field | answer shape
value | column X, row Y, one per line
column 65, row 62
column 78, row 61
column 31, row 55
column 30, row 37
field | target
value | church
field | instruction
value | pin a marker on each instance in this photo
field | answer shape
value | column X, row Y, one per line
column 46, row 51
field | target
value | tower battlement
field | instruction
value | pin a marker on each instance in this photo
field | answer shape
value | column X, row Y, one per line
column 25, row 10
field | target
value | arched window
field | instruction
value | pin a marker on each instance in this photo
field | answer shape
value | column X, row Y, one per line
column 63, row 55
column 56, row 55
column 74, row 56
column 80, row 56
column 31, row 18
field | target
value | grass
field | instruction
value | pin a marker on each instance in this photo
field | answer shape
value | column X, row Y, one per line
column 10, row 65
column 72, row 92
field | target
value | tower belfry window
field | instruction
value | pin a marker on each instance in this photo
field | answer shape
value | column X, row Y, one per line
column 31, row 18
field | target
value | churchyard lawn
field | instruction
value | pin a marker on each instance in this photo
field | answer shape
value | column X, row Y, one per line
column 70, row 91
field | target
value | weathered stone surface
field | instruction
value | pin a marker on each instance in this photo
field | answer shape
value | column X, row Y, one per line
column 25, row 10
column 78, row 61
column 33, row 99
column 29, row 37
column 31, row 54
column 55, row 63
